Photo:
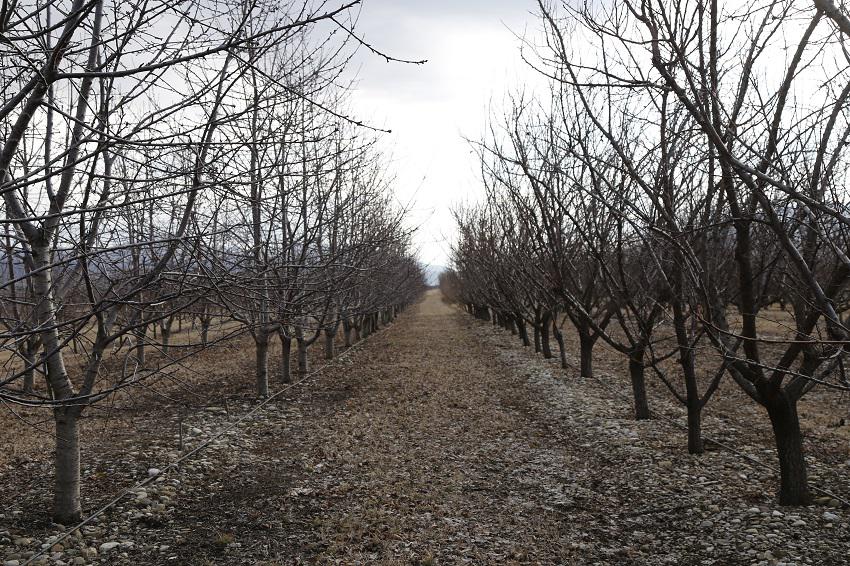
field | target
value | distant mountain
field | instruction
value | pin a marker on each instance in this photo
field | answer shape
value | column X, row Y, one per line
column 432, row 274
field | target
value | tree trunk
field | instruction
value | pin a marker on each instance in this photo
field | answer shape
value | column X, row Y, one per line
column 285, row 355
column 262, row 345
column 695, row 445
column 346, row 332
column 302, row 356
column 330, row 334
column 166, row 337
column 141, row 334
column 523, row 331
column 205, row 332
column 793, row 483
column 66, row 497
column 636, row 373
column 29, row 375
column 562, row 349
column 545, row 343
column 586, row 343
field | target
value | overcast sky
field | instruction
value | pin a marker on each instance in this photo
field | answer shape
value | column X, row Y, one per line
column 473, row 59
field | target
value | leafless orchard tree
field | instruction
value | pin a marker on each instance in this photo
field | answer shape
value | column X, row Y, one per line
column 690, row 161
column 132, row 135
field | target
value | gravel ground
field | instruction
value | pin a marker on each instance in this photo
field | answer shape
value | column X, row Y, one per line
column 441, row 441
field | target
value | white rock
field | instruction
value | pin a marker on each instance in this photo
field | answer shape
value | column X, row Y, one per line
column 830, row 517
column 152, row 472
column 108, row 547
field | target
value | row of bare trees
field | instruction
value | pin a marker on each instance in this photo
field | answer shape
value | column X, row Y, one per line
column 679, row 192
column 165, row 162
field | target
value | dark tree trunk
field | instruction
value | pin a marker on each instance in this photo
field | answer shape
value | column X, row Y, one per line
column 302, row 357
column 545, row 343
column 523, row 331
column 537, row 330
column 695, row 445
column 562, row 349
column 793, row 484
column 285, row 356
column 330, row 335
column 636, row 373
column 346, row 332
column 262, row 349
column 586, row 342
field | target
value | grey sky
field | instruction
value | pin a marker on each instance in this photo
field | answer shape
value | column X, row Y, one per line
column 473, row 58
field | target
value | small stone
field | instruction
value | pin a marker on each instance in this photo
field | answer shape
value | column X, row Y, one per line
column 79, row 561
column 12, row 563
column 153, row 472
column 108, row 547
column 22, row 541
column 830, row 517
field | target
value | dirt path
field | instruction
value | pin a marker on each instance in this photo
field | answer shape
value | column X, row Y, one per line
column 419, row 452
column 440, row 441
